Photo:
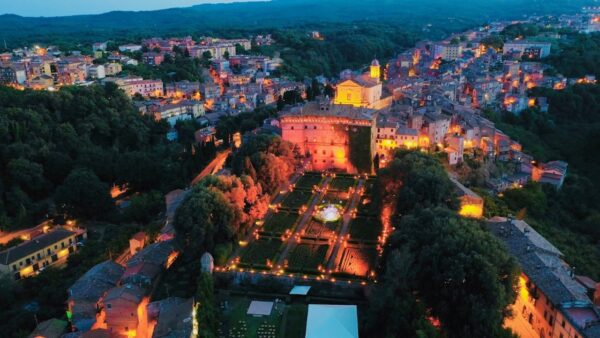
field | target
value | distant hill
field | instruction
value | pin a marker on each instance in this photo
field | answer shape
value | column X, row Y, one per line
column 17, row 30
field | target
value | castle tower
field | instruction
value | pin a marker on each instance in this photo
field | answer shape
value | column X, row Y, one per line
column 375, row 70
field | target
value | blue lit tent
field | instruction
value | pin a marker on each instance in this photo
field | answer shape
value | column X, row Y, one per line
column 326, row 321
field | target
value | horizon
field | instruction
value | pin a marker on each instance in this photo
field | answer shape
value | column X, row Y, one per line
column 58, row 8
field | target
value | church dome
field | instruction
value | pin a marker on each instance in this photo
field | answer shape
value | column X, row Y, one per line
column 375, row 62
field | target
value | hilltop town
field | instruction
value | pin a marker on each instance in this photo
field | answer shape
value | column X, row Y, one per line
column 300, row 196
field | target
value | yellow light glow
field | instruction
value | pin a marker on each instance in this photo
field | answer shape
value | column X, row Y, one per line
column 471, row 210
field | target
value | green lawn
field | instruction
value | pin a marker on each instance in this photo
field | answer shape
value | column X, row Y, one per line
column 307, row 257
column 365, row 228
column 296, row 199
column 258, row 252
column 235, row 322
column 279, row 222
column 295, row 322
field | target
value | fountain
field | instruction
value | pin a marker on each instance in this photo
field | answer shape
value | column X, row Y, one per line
column 328, row 213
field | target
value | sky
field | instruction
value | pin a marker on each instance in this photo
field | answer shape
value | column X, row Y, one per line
column 74, row 7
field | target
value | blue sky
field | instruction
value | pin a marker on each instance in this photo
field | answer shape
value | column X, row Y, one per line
column 72, row 7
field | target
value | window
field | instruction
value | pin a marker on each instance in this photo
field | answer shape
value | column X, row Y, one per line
column 551, row 321
column 108, row 306
column 563, row 323
column 315, row 127
column 14, row 267
column 292, row 127
column 305, row 127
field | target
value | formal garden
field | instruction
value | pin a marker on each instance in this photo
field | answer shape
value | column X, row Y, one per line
column 261, row 252
column 296, row 199
column 308, row 181
column 307, row 257
column 280, row 222
column 365, row 229
column 357, row 261
column 342, row 182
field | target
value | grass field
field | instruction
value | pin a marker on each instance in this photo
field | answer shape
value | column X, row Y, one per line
column 296, row 199
column 260, row 251
column 279, row 222
column 235, row 322
column 365, row 229
column 307, row 257
column 295, row 322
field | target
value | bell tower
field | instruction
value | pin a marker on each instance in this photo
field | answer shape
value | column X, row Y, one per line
column 375, row 70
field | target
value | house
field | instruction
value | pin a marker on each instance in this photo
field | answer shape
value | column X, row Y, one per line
column 153, row 58
column 554, row 173
column 29, row 258
column 550, row 301
column 447, row 51
column 529, row 49
column 41, row 82
column 137, row 243
column 130, row 48
column 471, row 204
column 112, row 68
column 172, row 317
column 145, row 88
column 145, row 266
column 52, row 328
column 97, row 72
column 121, row 306
column 86, row 293
column 100, row 46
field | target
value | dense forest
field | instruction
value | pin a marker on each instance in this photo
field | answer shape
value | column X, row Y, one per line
column 435, row 17
column 60, row 153
column 425, row 268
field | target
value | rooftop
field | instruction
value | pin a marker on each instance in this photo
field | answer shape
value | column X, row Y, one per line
column 30, row 247
column 331, row 110
column 96, row 281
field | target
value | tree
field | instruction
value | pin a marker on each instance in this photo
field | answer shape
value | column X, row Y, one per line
column 206, row 313
column 460, row 270
column 82, row 194
column 204, row 219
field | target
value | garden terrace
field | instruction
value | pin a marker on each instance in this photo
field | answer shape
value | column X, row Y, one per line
column 316, row 229
column 296, row 199
column 365, row 229
column 357, row 261
column 280, row 222
column 307, row 257
column 261, row 251
column 342, row 183
column 336, row 197
column 308, row 181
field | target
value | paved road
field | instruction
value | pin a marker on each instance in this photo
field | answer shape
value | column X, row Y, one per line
column 214, row 166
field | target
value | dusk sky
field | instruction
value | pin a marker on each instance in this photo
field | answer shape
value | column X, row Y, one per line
column 73, row 7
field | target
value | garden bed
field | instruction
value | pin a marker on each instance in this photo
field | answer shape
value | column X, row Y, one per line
column 260, row 251
column 365, row 229
column 296, row 199
column 321, row 230
column 342, row 183
column 279, row 222
column 358, row 261
column 308, row 181
column 307, row 257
